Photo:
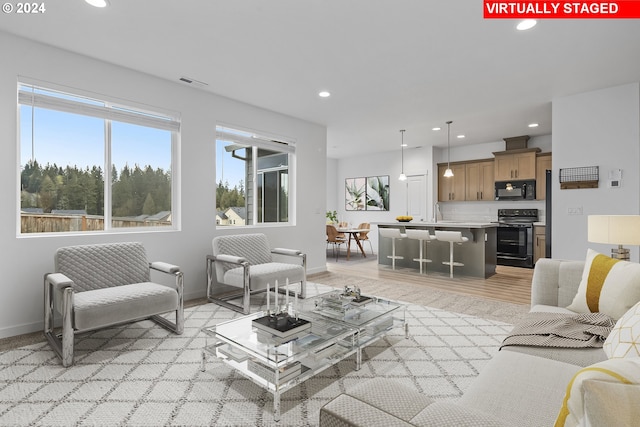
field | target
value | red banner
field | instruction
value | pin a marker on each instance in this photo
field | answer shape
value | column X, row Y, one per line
column 623, row 9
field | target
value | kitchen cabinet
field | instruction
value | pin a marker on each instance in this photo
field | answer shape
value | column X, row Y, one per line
column 452, row 188
column 515, row 164
column 543, row 162
column 539, row 240
column 479, row 183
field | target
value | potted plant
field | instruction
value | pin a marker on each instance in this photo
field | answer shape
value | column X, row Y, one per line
column 332, row 217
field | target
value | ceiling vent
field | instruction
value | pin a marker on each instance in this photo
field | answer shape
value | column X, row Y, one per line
column 193, row 82
column 516, row 142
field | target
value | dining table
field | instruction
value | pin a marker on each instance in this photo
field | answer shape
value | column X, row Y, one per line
column 353, row 232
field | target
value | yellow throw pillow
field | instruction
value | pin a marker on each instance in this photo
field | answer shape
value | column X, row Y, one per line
column 622, row 371
column 624, row 339
column 608, row 285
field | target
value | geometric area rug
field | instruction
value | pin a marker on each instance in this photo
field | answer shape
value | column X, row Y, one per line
column 140, row 374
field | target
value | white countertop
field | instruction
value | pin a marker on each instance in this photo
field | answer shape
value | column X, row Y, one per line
column 443, row 224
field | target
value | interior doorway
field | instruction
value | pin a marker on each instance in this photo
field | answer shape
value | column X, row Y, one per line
column 417, row 200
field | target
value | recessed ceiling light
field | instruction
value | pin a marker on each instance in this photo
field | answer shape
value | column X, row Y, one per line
column 460, row 136
column 324, row 94
column 533, row 125
column 526, row 24
column 436, row 128
column 98, row 3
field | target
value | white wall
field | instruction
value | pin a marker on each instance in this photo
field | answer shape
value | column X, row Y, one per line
column 26, row 259
column 486, row 150
column 599, row 128
column 333, row 202
column 416, row 162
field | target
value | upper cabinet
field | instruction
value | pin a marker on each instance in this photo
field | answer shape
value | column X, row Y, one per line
column 479, row 180
column 452, row 188
column 515, row 164
column 543, row 162
column 475, row 179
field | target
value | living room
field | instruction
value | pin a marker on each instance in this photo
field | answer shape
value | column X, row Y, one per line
column 594, row 127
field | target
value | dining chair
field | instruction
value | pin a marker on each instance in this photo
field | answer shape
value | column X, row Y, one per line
column 342, row 224
column 364, row 235
column 333, row 238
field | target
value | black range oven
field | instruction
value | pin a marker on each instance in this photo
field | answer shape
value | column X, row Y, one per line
column 515, row 237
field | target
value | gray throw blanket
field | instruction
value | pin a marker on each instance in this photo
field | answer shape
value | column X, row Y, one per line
column 561, row 330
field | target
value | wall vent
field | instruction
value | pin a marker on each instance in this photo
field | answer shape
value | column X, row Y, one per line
column 194, row 82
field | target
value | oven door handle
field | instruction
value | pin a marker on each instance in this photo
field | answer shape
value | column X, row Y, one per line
column 512, row 257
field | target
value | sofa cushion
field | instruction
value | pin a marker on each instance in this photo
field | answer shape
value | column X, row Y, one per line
column 124, row 303
column 445, row 413
column 555, row 282
column 608, row 285
column 605, row 401
column 345, row 410
column 624, row 339
column 520, row 389
column 579, row 357
column 624, row 371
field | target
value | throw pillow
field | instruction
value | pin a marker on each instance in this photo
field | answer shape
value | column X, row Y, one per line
column 608, row 285
column 624, row 338
column 608, row 403
column 622, row 371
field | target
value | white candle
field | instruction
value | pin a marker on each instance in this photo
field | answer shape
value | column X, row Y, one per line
column 287, row 297
column 276, row 302
column 268, row 298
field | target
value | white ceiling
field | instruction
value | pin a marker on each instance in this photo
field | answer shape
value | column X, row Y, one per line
column 389, row 64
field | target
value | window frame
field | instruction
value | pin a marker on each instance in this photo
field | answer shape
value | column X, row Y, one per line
column 114, row 109
column 256, row 140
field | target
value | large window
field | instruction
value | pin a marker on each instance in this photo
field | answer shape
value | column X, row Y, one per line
column 253, row 175
column 91, row 165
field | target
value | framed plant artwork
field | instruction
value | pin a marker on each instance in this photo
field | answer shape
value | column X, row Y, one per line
column 377, row 193
column 370, row 193
column 354, row 194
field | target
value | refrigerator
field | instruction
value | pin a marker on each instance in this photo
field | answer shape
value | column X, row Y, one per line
column 547, row 214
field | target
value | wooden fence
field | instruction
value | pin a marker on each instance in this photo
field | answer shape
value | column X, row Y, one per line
column 49, row 223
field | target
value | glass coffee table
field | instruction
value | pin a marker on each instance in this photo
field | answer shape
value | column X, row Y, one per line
column 338, row 329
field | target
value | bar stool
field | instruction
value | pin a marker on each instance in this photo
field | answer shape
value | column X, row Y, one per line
column 451, row 237
column 421, row 236
column 393, row 234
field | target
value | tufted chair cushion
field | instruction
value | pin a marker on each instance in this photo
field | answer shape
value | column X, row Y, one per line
column 100, row 266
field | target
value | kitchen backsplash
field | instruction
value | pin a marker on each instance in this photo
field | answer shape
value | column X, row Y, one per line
column 486, row 211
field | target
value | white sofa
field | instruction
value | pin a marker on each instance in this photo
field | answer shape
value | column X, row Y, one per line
column 522, row 386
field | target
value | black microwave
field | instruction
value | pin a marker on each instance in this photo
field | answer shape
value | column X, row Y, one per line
column 516, row 190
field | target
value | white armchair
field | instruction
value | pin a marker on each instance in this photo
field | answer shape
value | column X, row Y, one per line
column 243, row 264
column 96, row 286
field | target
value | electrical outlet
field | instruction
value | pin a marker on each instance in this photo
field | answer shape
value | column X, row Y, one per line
column 577, row 210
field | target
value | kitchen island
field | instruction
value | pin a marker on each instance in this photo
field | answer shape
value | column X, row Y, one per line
column 478, row 254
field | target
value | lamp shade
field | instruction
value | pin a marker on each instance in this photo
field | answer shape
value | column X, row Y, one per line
column 614, row 229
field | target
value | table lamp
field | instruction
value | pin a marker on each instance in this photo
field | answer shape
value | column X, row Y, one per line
column 616, row 230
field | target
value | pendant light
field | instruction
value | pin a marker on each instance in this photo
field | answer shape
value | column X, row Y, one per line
column 402, row 176
column 448, row 173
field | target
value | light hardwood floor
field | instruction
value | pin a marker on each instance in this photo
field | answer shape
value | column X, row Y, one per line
column 509, row 284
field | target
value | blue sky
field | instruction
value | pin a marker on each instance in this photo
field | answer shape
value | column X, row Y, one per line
column 67, row 139
column 227, row 168
column 70, row 139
